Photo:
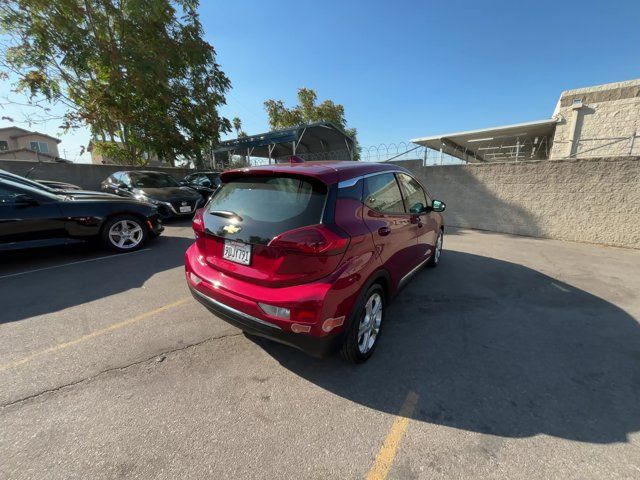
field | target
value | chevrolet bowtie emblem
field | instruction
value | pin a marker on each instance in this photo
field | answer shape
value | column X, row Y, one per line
column 231, row 229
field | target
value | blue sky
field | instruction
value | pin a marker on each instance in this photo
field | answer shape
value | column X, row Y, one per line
column 405, row 69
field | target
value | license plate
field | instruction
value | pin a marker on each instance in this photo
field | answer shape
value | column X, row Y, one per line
column 237, row 252
column 186, row 209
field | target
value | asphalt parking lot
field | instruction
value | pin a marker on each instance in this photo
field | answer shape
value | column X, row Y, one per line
column 515, row 358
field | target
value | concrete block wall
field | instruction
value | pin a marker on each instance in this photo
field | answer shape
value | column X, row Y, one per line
column 602, row 126
column 86, row 175
column 583, row 200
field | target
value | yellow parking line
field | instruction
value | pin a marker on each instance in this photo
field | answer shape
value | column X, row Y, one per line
column 387, row 453
column 94, row 334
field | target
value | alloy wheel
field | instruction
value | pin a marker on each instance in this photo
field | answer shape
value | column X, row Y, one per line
column 438, row 251
column 370, row 323
column 125, row 234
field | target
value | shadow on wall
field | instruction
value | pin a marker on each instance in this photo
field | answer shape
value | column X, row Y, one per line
column 497, row 348
column 471, row 204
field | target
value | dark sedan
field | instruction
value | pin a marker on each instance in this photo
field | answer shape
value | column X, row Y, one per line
column 158, row 188
column 205, row 183
column 33, row 217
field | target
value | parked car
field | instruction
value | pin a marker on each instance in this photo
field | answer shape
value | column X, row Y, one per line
column 310, row 254
column 205, row 183
column 59, row 185
column 38, row 185
column 34, row 217
column 159, row 188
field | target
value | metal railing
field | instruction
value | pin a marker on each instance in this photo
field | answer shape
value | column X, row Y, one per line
column 622, row 146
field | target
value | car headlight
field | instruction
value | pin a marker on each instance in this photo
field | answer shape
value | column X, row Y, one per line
column 143, row 198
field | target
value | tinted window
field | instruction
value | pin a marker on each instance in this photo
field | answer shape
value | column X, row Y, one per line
column 267, row 206
column 202, row 180
column 381, row 193
column 412, row 191
column 215, row 179
column 26, row 181
column 17, row 188
column 7, row 196
column 152, row 180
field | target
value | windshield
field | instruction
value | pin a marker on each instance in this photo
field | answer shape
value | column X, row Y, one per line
column 26, row 181
column 36, row 191
column 152, row 180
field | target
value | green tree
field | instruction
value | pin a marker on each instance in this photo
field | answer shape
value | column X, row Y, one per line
column 237, row 126
column 138, row 72
column 309, row 111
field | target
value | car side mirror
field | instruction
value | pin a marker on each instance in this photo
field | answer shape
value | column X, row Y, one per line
column 417, row 208
column 24, row 200
column 438, row 206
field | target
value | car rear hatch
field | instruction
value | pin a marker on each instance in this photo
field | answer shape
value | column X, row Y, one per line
column 267, row 228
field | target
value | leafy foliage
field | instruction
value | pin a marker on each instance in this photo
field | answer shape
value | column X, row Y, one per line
column 138, row 72
column 309, row 111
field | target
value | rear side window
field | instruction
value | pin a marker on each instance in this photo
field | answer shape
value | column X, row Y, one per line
column 268, row 206
column 382, row 193
column 413, row 192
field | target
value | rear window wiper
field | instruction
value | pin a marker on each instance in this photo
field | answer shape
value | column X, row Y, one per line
column 226, row 214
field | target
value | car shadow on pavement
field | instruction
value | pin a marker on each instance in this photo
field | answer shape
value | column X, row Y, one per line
column 498, row 348
column 80, row 278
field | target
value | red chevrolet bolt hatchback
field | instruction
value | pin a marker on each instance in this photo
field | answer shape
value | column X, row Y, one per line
column 309, row 254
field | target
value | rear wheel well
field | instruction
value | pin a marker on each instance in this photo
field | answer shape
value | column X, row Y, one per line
column 382, row 278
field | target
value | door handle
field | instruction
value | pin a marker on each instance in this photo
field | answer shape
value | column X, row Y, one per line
column 384, row 231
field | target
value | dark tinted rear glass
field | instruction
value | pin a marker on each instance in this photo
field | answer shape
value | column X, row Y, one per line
column 267, row 207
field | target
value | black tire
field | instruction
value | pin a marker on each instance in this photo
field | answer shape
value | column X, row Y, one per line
column 109, row 241
column 351, row 350
column 434, row 261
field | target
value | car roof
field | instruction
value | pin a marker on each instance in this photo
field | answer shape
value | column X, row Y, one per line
column 328, row 172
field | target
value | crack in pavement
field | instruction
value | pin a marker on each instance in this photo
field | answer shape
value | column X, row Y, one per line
column 112, row 369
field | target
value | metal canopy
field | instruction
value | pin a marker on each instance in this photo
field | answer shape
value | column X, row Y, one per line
column 313, row 141
column 520, row 141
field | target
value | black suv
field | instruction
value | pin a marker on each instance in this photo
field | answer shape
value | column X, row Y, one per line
column 158, row 188
column 205, row 183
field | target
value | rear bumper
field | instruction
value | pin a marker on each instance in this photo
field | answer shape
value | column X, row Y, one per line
column 315, row 346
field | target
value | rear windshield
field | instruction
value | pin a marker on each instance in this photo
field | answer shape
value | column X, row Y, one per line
column 267, row 206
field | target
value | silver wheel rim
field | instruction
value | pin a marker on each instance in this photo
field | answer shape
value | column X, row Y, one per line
column 125, row 234
column 438, row 248
column 369, row 326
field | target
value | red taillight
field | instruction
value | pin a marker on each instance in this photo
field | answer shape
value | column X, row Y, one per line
column 314, row 240
column 198, row 221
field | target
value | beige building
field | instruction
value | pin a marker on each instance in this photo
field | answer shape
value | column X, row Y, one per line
column 599, row 121
column 20, row 144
